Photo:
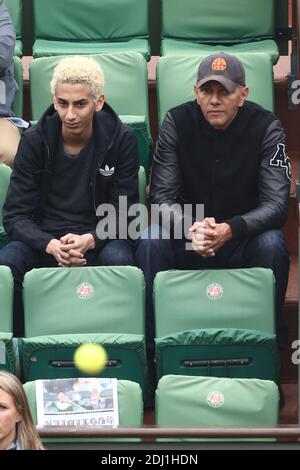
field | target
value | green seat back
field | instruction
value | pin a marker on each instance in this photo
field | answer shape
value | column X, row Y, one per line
column 218, row 22
column 144, row 140
column 15, row 10
column 142, row 187
column 7, row 349
column 130, row 405
column 18, row 75
column 56, row 298
column 126, row 90
column 99, row 22
column 6, row 296
column 5, row 172
column 267, row 47
column 216, row 323
column 66, row 307
column 216, row 402
column 7, row 352
column 172, row 92
column 215, row 298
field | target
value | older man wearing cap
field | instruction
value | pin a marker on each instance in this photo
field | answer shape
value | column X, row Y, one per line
column 227, row 154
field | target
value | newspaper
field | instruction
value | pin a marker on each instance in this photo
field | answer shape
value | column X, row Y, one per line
column 77, row 402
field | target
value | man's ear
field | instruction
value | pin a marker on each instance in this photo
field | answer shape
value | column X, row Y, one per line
column 99, row 103
column 244, row 95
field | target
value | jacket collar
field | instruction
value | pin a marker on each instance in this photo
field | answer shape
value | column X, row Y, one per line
column 106, row 126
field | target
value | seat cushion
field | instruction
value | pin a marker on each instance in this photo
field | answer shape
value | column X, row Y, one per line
column 178, row 47
column 45, row 48
column 18, row 48
column 7, row 353
column 52, row 356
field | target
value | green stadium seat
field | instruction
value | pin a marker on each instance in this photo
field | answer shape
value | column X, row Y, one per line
column 144, row 140
column 65, row 307
column 18, row 75
column 64, row 28
column 15, row 10
column 126, row 90
column 216, row 322
column 215, row 402
column 5, row 172
column 195, row 27
column 172, row 92
column 130, row 406
column 142, row 187
column 7, row 351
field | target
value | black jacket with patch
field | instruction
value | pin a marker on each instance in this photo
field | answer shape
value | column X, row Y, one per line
column 241, row 175
column 115, row 173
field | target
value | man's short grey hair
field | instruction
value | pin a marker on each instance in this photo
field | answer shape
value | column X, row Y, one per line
column 79, row 69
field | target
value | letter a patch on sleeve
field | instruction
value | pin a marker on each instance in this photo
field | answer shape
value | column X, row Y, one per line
column 281, row 160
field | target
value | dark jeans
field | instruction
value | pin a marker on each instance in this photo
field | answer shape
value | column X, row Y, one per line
column 267, row 250
column 21, row 258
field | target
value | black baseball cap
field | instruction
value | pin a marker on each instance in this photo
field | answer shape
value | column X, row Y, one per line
column 224, row 68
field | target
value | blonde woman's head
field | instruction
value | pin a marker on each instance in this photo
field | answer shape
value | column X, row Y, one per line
column 22, row 423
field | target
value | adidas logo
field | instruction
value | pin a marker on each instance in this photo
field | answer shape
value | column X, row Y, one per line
column 106, row 171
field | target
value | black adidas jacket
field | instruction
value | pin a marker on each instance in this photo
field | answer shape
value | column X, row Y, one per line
column 241, row 174
column 115, row 148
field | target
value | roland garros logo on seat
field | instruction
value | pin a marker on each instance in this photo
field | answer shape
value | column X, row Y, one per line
column 219, row 64
column 214, row 291
column 85, row 291
column 215, row 399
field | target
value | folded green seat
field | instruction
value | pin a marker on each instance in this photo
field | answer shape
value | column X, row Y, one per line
column 15, row 8
column 215, row 402
column 216, row 323
column 18, row 76
column 7, row 349
column 130, row 407
column 5, row 173
column 66, row 307
column 95, row 27
column 7, row 352
column 198, row 27
column 143, row 137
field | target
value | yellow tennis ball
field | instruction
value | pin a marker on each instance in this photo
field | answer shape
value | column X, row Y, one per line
column 90, row 358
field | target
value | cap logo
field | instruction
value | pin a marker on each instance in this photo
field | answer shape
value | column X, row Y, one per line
column 219, row 64
column 85, row 291
column 215, row 399
column 214, row 291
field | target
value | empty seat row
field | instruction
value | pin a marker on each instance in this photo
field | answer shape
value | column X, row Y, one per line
column 211, row 322
column 185, row 401
column 190, row 27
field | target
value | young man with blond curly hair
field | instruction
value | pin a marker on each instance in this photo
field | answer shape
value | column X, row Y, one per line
column 60, row 179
